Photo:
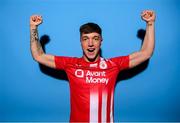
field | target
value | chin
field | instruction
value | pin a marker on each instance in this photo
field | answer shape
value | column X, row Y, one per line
column 92, row 58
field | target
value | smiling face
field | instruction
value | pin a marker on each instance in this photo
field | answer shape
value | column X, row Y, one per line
column 91, row 44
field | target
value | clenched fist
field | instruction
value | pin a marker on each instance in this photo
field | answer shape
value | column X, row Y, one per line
column 35, row 20
column 148, row 16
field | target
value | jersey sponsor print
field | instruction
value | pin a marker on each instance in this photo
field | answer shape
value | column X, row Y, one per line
column 92, row 86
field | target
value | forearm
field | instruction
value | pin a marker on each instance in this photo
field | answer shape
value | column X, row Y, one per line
column 36, row 48
column 149, row 40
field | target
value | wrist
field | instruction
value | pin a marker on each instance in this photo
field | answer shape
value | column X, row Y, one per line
column 33, row 26
column 149, row 23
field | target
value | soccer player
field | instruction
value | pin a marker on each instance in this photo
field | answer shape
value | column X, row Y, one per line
column 91, row 77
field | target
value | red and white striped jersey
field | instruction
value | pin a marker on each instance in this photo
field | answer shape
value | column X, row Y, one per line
column 92, row 86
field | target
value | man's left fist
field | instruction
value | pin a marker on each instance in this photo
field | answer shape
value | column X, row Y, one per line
column 148, row 16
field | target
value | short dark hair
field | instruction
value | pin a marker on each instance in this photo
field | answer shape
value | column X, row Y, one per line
column 89, row 28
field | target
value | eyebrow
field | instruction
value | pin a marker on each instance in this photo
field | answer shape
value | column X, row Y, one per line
column 96, row 37
column 84, row 37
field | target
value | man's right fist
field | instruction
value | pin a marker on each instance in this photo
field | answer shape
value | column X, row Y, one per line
column 35, row 20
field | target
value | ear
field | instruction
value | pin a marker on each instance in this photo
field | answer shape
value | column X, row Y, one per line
column 101, row 37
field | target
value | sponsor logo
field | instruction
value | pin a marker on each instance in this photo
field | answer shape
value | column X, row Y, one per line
column 79, row 73
column 97, row 80
column 93, row 76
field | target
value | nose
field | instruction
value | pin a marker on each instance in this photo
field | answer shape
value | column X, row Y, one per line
column 90, row 43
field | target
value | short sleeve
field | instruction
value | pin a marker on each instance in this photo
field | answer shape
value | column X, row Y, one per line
column 61, row 62
column 122, row 62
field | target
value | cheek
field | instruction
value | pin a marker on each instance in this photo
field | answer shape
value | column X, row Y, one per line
column 83, row 45
column 98, row 45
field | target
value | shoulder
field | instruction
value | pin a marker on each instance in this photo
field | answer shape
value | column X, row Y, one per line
column 122, row 62
column 62, row 62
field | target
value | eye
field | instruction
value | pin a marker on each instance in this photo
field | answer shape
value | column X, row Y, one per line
column 96, row 38
column 84, row 39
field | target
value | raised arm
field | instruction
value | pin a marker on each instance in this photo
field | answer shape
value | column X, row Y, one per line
column 36, row 48
column 147, row 48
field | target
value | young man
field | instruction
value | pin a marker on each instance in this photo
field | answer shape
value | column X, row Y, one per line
column 92, row 78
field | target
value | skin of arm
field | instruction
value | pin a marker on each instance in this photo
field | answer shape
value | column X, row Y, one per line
column 147, row 48
column 35, row 46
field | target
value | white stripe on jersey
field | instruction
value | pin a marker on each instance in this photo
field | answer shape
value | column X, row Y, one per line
column 104, row 107
column 111, row 108
column 94, row 107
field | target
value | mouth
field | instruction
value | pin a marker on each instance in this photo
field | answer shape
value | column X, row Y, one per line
column 90, row 50
column 91, row 53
